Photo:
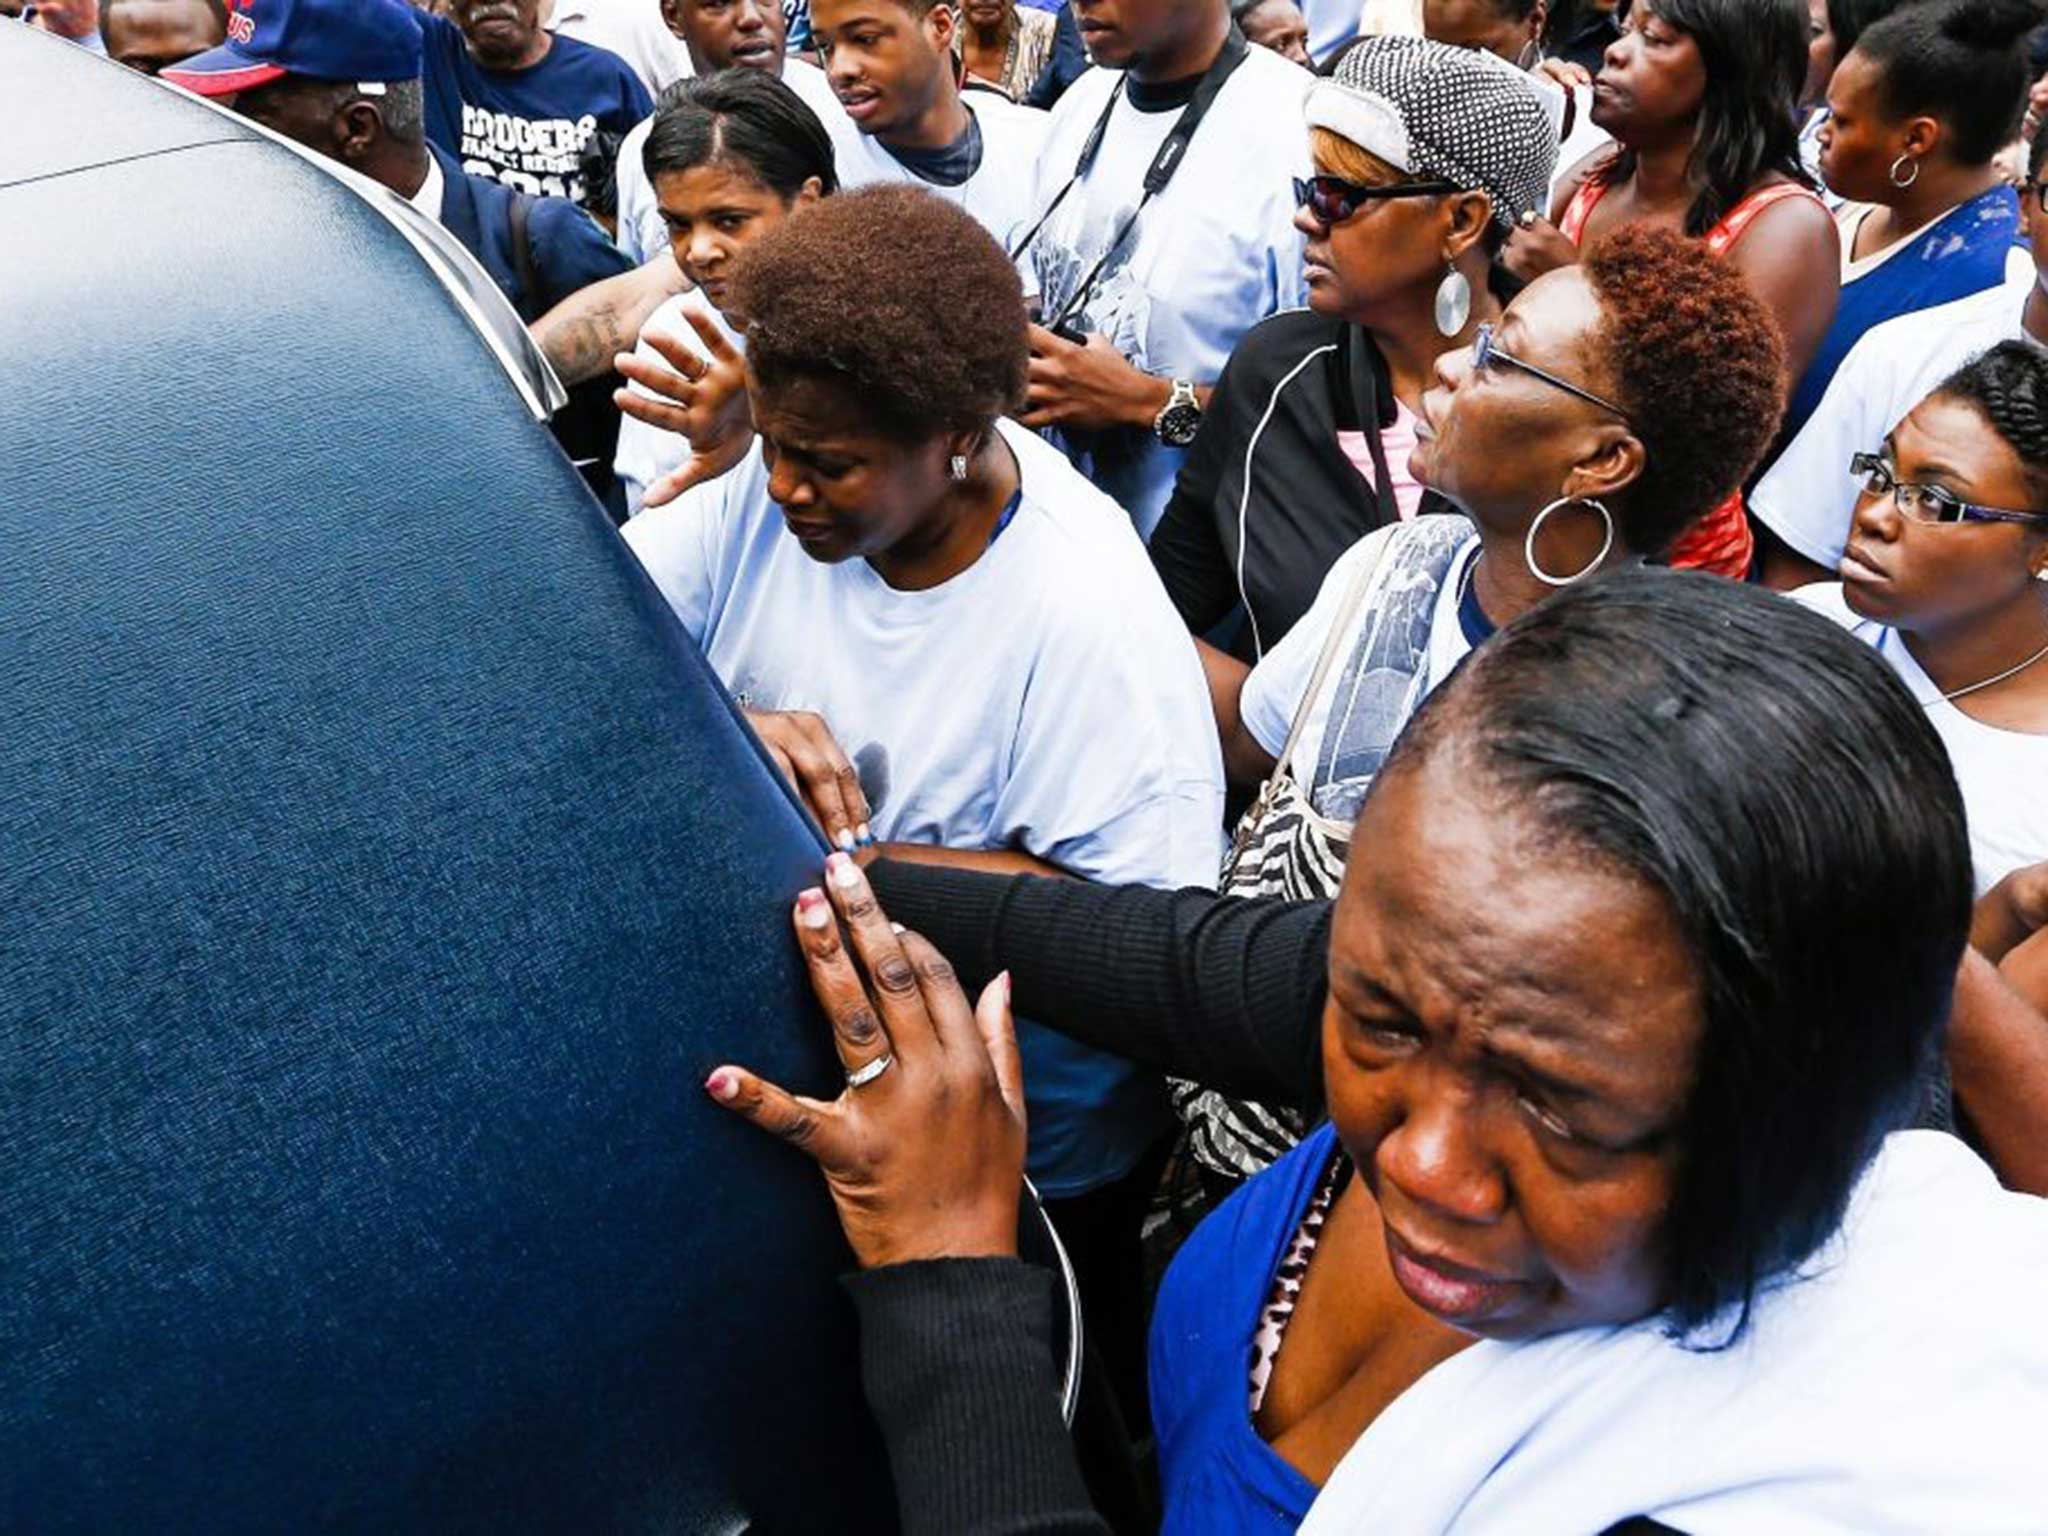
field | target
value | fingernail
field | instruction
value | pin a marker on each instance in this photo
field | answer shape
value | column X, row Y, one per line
column 811, row 909
column 843, row 871
column 1006, row 989
column 845, row 840
column 863, row 836
column 723, row 1085
column 897, row 928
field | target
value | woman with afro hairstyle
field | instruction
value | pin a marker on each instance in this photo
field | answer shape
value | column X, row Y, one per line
column 943, row 634
column 1946, row 573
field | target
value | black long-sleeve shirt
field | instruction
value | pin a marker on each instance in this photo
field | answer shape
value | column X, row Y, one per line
column 955, row 1353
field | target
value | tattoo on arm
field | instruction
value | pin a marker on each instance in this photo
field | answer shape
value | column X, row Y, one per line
column 582, row 344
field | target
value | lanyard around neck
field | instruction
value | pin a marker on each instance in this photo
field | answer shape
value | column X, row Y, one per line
column 1171, row 152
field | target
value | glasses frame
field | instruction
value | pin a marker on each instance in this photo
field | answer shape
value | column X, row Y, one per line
column 1869, row 467
column 1486, row 350
column 1351, row 196
column 2038, row 191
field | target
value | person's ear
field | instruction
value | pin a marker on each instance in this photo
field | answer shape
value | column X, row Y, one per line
column 1536, row 21
column 808, row 193
column 942, row 25
column 672, row 15
column 357, row 128
column 1466, row 216
column 1614, row 463
column 1922, row 137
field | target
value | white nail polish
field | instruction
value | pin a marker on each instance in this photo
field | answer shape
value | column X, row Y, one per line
column 846, row 874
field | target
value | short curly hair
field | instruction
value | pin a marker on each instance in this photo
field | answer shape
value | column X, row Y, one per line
column 1698, row 364
column 896, row 297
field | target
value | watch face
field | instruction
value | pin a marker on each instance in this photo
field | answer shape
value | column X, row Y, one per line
column 1178, row 424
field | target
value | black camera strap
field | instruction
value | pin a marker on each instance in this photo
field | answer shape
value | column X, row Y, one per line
column 1172, row 150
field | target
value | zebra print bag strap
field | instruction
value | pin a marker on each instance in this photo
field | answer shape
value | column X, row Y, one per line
column 1354, row 598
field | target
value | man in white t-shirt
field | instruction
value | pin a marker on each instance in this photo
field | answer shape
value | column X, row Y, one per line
column 721, row 34
column 633, row 29
column 1808, row 495
column 892, row 66
column 1205, row 260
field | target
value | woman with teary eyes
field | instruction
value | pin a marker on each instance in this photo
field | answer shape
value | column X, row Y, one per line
column 1614, row 1224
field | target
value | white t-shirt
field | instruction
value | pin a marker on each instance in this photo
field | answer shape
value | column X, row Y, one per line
column 1809, row 496
column 1370, row 704
column 1211, row 257
column 647, row 453
column 2003, row 774
column 1331, row 24
column 998, row 194
column 633, row 29
column 641, row 232
column 1047, row 698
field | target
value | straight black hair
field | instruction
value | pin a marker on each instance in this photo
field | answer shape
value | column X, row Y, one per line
column 745, row 118
column 1754, row 56
column 1847, row 20
column 1963, row 62
column 1772, row 778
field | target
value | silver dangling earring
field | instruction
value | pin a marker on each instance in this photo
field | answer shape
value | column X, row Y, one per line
column 1453, row 303
column 959, row 466
column 1906, row 159
column 1606, row 544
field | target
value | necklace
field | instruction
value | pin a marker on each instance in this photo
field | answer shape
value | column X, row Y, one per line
column 1950, row 698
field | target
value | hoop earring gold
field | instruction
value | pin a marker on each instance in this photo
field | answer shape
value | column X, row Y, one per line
column 1606, row 543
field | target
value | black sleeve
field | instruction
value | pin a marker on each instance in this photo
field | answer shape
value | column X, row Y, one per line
column 956, row 1360
column 1187, row 549
column 1227, row 991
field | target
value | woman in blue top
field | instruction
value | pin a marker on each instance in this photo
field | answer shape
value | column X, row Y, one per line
column 1917, row 110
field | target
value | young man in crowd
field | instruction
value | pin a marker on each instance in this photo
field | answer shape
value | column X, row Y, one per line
column 150, row 35
column 1144, row 291
column 515, row 102
column 719, row 34
column 893, row 68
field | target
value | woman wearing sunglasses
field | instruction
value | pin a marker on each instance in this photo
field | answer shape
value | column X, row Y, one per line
column 1424, row 154
column 1946, row 573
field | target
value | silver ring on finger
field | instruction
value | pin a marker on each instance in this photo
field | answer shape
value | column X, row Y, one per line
column 861, row 1076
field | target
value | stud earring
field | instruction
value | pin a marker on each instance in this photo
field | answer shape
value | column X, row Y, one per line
column 959, row 466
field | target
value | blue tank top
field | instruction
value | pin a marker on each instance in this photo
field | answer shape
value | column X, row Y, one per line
column 1216, row 1474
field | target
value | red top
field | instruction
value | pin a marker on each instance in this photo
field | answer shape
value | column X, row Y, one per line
column 1721, row 541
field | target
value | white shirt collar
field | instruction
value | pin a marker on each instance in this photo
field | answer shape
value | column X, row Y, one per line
column 428, row 198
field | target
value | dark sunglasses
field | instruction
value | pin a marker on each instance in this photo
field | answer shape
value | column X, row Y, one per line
column 1333, row 200
column 1486, row 351
column 1930, row 503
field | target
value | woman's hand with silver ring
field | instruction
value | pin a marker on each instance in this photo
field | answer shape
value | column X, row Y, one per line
column 924, row 1150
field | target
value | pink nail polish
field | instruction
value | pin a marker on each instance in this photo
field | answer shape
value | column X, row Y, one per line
column 722, row 1085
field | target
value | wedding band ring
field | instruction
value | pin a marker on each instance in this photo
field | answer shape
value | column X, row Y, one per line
column 862, row 1076
column 1528, row 219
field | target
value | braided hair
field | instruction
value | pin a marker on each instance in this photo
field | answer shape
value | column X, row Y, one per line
column 2008, row 385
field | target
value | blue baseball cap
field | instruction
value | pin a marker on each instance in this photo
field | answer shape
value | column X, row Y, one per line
column 372, row 42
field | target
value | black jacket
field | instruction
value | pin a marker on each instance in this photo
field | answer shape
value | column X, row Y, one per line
column 1266, row 500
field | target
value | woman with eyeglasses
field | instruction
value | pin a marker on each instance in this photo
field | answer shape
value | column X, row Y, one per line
column 1946, row 573
column 1918, row 111
column 1699, row 96
column 1615, row 402
column 1304, row 447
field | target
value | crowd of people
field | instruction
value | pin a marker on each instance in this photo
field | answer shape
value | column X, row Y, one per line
column 1441, row 608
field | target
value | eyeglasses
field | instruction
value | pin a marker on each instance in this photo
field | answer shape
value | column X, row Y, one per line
column 1333, row 200
column 1930, row 503
column 1487, row 351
